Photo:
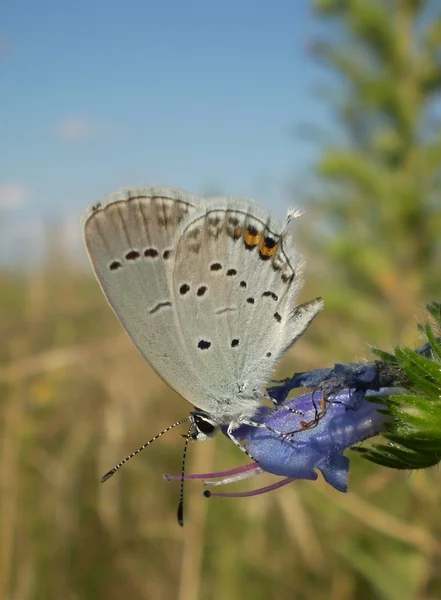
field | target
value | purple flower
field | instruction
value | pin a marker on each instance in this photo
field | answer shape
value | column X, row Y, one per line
column 316, row 433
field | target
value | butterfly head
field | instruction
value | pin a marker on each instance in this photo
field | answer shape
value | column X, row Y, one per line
column 204, row 426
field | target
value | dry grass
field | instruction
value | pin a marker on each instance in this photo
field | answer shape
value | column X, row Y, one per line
column 76, row 397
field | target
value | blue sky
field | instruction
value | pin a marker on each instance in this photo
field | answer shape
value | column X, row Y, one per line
column 201, row 95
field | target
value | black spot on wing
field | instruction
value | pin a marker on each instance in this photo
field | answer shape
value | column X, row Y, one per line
column 133, row 255
column 272, row 295
column 221, row 311
column 204, row 344
column 159, row 306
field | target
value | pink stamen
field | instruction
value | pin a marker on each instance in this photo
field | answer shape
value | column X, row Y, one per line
column 241, row 469
column 235, row 478
column 258, row 492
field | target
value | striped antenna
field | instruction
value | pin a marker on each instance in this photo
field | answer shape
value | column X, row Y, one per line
column 180, row 514
column 123, row 462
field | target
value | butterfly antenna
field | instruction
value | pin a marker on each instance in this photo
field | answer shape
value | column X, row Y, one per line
column 181, row 492
column 123, row 462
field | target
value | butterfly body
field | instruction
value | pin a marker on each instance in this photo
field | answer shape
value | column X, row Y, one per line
column 205, row 288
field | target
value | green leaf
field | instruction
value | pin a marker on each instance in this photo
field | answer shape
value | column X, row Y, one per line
column 412, row 438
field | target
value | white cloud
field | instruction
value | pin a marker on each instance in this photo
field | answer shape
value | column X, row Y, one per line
column 12, row 195
column 79, row 129
column 22, row 241
column 71, row 232
column 28, row 240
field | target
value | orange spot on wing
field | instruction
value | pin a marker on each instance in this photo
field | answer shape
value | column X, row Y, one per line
column 237, row 233
column 268, row 246
column 252, row 239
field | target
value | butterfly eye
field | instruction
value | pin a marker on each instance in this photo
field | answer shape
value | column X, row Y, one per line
column 204, row 425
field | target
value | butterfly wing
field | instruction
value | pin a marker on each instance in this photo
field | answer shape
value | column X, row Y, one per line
column 234, row 283
column 131, row 239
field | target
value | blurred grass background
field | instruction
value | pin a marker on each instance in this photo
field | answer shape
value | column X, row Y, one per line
column 76, row 397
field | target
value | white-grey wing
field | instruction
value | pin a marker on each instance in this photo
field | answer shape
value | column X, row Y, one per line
column 235, row 278
column 131, row 239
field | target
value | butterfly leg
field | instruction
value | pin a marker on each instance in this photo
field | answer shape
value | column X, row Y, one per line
column 282, row 406
column 246, row 421
column 251, row 423
column 230, row 434
column 272, row 400
column 294, row 411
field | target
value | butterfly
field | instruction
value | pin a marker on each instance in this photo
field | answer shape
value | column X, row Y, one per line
column 206, row 290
